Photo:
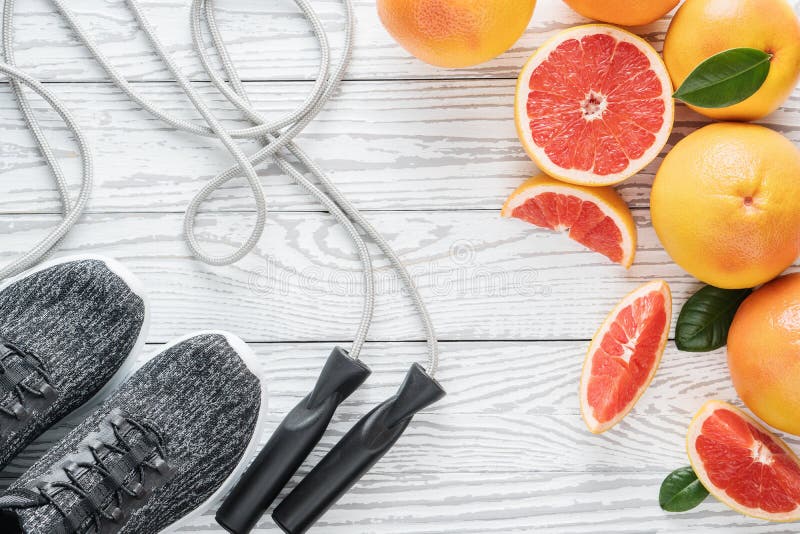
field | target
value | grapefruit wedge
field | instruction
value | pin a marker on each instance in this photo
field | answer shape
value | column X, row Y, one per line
column 743, row 465
column 595, row 217
column 594, row 105
column 624, row 355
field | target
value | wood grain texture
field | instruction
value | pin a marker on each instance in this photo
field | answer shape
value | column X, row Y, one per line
column 432, row 154
column 268, row 40
column 419, row 145
column 483, row 277
column 491, row 424
column 524, row 435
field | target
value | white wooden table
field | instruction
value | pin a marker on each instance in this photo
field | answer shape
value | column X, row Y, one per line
column 430, row 154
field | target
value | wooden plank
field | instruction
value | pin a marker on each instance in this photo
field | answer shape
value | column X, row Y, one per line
column 506, row 451
column 440, row 443
column 420, row 145
column 517, row 503
column 268, row 40
column 494, row 378
column 484, row 278
column 558, row 503
column 511, row 407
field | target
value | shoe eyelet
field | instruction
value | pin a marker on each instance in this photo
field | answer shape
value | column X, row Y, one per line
column 163, row 468
column 70, row 466
column 139, row 491
column 118, row 515
column 20, row 412
column 117, row 420
column 48, row 392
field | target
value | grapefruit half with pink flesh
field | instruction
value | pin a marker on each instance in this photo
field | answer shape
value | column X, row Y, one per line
column 624, row 355
column 744, row 465
column 594, row 105
column 596, row 217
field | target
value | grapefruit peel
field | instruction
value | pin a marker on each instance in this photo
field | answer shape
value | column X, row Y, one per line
column 602, row 201
column 608, row 337
column 761, row 452
column 618, row 121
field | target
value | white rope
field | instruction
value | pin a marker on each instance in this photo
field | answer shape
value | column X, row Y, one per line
column 277, row 142
column 71, row 212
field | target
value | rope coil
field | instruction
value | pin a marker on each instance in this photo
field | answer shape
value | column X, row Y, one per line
column 276, row 138
column 71, row 211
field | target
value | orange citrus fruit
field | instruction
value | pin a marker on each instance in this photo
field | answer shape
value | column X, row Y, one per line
column 726, row 204
column 742, row 464
column 764, row 353
column 702, row 28
column 624, row 355
column 594, row 105
column 595, row 217
column 456, row 33
column 623, row 12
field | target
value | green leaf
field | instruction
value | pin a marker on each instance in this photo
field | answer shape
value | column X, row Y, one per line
column 681, row 491
column 726, row 78
column 706, row 317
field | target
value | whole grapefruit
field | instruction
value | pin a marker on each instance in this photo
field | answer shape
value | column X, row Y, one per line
column 764, row 353
column 726, row 204
column 456, row 33
column 623, row 12
column 702, row 28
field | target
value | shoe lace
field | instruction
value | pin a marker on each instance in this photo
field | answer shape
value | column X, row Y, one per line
column 15, row 367
column 97, row 512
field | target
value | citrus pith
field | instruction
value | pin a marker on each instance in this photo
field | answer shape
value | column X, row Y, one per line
column 744, row 465
column 624, row 355
column 596, row 217
column 594, row 105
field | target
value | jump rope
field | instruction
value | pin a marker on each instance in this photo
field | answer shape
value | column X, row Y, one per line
column 301, row 430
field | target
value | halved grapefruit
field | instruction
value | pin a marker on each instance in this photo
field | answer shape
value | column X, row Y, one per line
column 624, row 355
column 742, row 464
column 595, row 217
column 594, row 105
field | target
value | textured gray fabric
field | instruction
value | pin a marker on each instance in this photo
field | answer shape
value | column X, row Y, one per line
column 204, row 401
column 83, row 321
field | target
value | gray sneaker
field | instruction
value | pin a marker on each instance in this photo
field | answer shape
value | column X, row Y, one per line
column 67, row 329
column 157, row 453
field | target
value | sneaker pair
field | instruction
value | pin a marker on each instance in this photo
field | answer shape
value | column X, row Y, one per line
column 165, row 442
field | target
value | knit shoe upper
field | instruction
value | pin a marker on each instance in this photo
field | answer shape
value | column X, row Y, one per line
column 65, row 330
column 158, row 449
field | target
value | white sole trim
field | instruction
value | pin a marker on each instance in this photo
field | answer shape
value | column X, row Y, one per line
column 251, row 361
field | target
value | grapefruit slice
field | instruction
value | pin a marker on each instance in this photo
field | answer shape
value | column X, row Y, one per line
column 594, row 105
column 624, row 355
column 595, row 217
column 743, row 465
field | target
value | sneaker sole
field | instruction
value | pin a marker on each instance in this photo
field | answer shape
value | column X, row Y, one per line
column 137, row 287
column 251, row 361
